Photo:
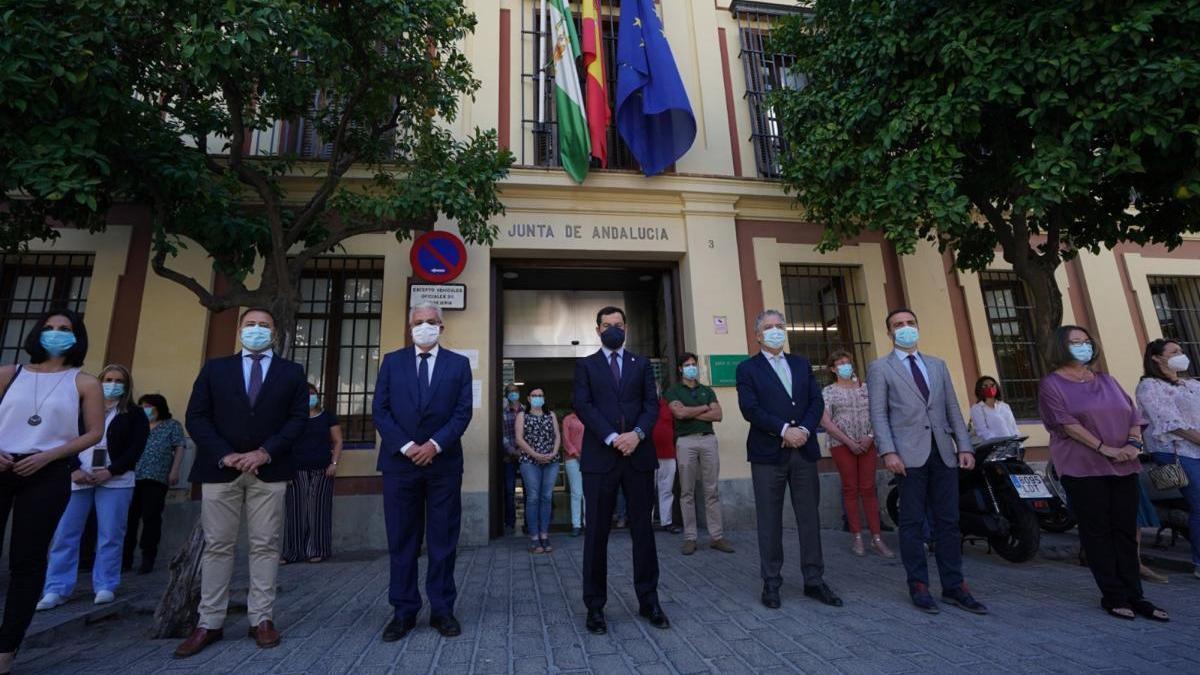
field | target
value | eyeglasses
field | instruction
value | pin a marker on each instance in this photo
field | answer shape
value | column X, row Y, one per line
column 1080, row 343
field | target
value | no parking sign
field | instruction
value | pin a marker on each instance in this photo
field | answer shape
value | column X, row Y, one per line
column 438, row 257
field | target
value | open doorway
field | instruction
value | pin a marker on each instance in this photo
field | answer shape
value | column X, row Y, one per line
column 546, row 315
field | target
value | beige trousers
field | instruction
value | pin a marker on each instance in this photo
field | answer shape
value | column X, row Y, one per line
column 697, row 456
column 221, row 512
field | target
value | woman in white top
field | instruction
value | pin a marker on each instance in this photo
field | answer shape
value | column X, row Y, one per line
column 41, row 404
column 102, row 478
column 990, row 416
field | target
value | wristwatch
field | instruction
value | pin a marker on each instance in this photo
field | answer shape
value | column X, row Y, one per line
column 641, row 434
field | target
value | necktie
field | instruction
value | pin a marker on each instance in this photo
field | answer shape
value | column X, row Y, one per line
column 423, row 378
column 918, row 377
column 256, row 377
column 616, row 366
column 784, row 377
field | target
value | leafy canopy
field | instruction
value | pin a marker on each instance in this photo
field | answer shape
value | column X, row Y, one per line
column 150, row 102
column 978, row 123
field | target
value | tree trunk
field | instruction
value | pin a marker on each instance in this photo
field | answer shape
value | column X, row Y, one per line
column 176, row 614
column 1045, row 297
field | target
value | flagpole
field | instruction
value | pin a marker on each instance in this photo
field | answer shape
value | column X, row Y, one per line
column 542, row 70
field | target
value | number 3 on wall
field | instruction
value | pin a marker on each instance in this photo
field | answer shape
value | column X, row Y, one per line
column 711, row 244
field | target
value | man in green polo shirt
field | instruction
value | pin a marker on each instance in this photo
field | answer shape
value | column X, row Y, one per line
column 695, row 408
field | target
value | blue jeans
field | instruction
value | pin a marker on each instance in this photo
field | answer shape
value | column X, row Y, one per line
column 112, row 513
column 575, row 485
column 930, row 493
column 510, row 495
column 1192, row 493
column 538, row 480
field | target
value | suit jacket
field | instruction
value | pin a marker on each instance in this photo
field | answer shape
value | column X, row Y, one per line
column 125, row 440
column 400, row 419
column 221, row 420
column 606, row 407
column 904, row 422
column 765, row 404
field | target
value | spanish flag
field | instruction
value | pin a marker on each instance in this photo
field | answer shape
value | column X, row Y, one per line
column 598, row 114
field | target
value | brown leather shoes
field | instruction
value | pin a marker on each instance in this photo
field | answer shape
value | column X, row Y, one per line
column 265, row 635
column 197, row 641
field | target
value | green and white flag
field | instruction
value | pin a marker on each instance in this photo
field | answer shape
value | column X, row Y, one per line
column 574, row 146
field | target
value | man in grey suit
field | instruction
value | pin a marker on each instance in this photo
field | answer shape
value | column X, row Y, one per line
column 922, row 438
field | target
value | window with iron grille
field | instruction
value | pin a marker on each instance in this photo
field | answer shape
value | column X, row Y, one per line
column 539, row 135
column 1177, row 306
column 1010, row 324
column 33, row 283
column 337, row 338
column 825, row 313
column 766, row 71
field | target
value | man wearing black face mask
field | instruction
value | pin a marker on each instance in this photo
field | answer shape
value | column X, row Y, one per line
column 616, row 400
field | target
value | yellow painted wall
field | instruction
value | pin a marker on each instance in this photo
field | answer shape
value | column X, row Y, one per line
column 1110, row 313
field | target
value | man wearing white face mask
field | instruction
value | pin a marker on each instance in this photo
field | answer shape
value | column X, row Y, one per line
column 422, row 407
column 923, row 439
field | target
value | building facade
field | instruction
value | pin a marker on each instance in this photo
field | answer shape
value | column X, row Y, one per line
column 693, row 254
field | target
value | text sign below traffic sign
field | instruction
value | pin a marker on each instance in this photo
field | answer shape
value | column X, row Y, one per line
column 446, row 296
column 438, row 257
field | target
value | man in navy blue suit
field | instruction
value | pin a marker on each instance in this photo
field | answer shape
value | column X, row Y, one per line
column 617, row 403
column 245, row 413
column 422, row 407
column 781, row 400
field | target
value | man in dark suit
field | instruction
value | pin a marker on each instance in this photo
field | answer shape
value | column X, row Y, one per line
column 781, row 400
column 422, row 407
column 616, row 401
column 245, row 413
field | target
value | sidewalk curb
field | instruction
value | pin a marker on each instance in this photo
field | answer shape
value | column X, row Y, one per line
column 55, row 633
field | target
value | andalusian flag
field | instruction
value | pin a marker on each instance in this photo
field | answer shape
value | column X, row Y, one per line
column 573, row 147
column 596, row 85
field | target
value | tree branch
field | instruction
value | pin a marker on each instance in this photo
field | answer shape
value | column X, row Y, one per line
column 207, row 299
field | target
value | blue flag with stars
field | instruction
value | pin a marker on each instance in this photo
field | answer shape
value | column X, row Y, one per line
column 654, row 115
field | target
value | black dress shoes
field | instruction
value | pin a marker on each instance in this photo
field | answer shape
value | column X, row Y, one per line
column 398, row 628
column 654, row 614
column 596, row 624
column 823, row 593
column 446, row 625
column 770, row 598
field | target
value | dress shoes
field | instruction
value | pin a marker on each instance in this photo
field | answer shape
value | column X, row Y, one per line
column 398, row 628
column 770, row 598
column 264, row 634
column 596, row 625
column 921, row 598
column 962, row 598
column 824, row 594
column 654, row 614
column 446, row 625
column 197, row 641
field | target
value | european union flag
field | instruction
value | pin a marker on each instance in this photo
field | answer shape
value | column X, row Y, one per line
column 654, row 115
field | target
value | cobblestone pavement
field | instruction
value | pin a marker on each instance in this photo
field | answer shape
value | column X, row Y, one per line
column 523, row 614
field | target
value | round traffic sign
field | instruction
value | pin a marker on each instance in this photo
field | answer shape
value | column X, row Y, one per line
column 438, row 257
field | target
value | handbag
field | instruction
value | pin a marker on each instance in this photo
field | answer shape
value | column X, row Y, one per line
column 1168, row 476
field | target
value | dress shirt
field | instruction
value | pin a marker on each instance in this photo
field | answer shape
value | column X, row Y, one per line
column 903, row 356
column 779, row 362
column 433, row 354
column 620, row 367
column 247, row 362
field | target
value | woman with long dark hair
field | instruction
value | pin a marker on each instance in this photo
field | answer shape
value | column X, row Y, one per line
column 157, row 470
column 41, row 405
column 539, row 440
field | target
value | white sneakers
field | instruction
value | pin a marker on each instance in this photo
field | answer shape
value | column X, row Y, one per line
column 104, row 597
column 50, row 601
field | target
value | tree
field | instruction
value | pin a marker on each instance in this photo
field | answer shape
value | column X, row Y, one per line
column 157, row 103
column 1041, row 128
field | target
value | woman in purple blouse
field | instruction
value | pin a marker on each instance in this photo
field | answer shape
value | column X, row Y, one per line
column 1095, row 438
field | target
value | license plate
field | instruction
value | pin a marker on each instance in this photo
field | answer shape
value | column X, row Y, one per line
column 1030, row 486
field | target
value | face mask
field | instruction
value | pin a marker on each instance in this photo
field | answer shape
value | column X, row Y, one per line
column 256, row 338
column 150, row 413
column 113, row 390
column 513, row 397
column 313, row 400
column 537, row 401
column 424, row 334
column 774, row 337
column 57, row 342
column 845, row 371
column 691, row 372
column 1082, row 353
column 613, row 338
column 907, row 337
column 990, row 392
column 1179, row 363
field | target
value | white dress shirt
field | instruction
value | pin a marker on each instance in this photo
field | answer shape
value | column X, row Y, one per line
column 903, row 356
column 990, row 422
column 433, row 354
column 620, row 369
column 779, row 363
column 247, row 362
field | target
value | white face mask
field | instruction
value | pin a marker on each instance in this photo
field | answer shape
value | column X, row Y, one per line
column 424, row 334
column 1179, row 363
column 774, row 337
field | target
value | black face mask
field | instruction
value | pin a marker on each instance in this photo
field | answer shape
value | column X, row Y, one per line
column 613, row 338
